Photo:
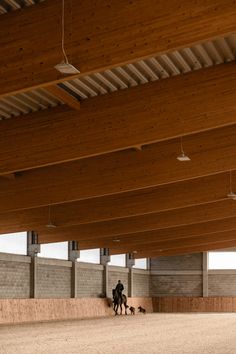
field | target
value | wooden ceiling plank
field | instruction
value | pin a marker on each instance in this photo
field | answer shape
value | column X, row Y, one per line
column 131, row 31
column 139, row 116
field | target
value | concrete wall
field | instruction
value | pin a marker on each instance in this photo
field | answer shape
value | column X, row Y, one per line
column 222, row 282
column 90, row 280
column 168, row 277
column 55, row 279
column 176, row 276
column 141, row 283
column 14, row 276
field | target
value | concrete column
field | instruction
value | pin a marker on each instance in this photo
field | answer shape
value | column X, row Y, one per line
column 129, row 264
column 205, row 274
column 33, row 248
column 33, row 277
column 104, row 260
column 73, row 255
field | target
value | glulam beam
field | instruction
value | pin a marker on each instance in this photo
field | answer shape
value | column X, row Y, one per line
column 208, row 218
column 211, row 152
column 125, row 119
column 182, row 238
column 160, row 206
column 101, row 35
column 211, row 246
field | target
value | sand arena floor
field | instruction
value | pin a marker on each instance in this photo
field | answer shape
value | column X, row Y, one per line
column 152, row 333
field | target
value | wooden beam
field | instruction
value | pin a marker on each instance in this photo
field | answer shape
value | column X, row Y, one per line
column 128, row 242
column 187, row 250
column 139, row 116
column 101, row 36
column 164, row 243
column 134, row 206
column 139, row 229
column 211, row 152
column 68, row 99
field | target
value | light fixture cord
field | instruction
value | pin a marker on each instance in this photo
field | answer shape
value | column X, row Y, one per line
column 63, row 32
column 181, row 145
column 230, row 181
column 49, row 214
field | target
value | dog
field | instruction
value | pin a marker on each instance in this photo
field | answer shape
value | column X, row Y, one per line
column 142, row 310
column 132, row 310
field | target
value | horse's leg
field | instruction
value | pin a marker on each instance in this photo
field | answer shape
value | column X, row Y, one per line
column 121, row 309
column 115, row 309
column 125, row 304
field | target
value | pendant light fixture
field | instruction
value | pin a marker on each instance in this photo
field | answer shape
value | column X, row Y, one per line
column 182, row 157
column 50, row 224
column 65, row 67
column 231, row 194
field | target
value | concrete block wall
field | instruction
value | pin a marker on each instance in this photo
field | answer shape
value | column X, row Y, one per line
column 53, row 279
column 14, row 276
column 222, row 282
column 176, row 276
column 89, row 280
column 141, row 283
column 168, row 276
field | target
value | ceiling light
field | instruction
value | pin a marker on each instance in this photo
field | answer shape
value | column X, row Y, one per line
column 231, row 194
column 135, row 252
column 116, row 240
column 65, row 67
column 182, row 157
column 50, row 224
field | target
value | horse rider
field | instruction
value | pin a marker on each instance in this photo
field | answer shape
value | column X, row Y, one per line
column 119, row 288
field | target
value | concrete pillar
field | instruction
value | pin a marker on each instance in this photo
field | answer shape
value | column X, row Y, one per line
column 205, row 274
column 129, row 264
column 33, row 277
column 104, row 260
column 73, row 255
column 33, row 248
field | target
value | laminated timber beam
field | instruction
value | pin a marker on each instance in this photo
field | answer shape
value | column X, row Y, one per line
column 211, row 246
column 206, row 199
column 201, row 240
column 211, row 152
column 125, row 119
column 187, row 221
column 161, row 239
column 101, row 35
column 128, row 242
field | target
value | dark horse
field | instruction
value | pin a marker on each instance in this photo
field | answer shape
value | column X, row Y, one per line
column 119, row 301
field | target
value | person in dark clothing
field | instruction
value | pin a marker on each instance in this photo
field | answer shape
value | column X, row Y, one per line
column 119, row 288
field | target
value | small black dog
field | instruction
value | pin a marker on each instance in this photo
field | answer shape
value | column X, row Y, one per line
column 132, row 310
column 142, row 310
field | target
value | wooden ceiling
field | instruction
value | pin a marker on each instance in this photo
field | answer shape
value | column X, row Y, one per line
column 106, row 168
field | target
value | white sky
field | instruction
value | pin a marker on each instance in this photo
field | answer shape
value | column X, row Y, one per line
column 222, row 260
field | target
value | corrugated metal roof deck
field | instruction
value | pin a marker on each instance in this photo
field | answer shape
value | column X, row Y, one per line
column 10, row 5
